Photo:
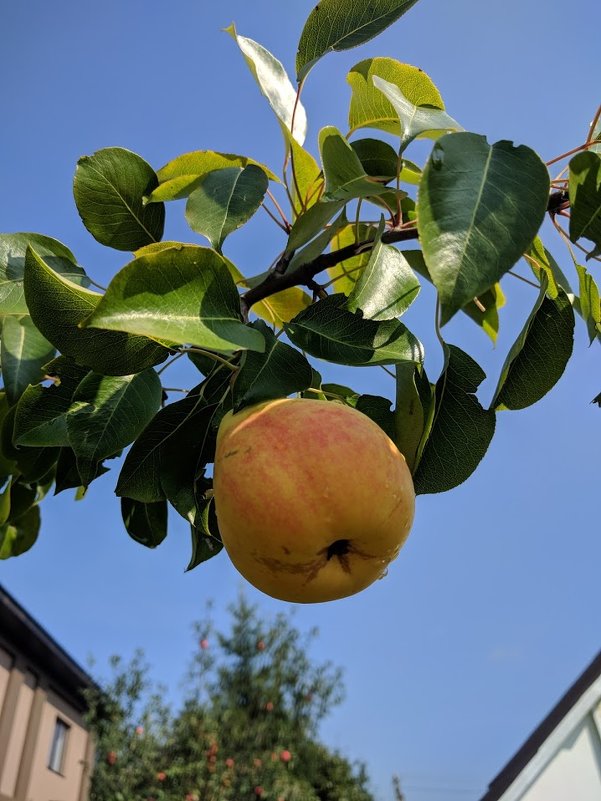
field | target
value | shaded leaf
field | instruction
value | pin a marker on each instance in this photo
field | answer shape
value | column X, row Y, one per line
column 346, row 273
column 409, row 416
column 480, row 207
column 18, row 537
column 342, row 24
column 183, row 294
column 377, row 409
column 109, row 188
column 310, row 222
column 206, row 540
column 344, row 174
column 24, row 351
column 224, row 200
column 276, row 373
column 145, row 523
column 379, row 159
column 58, row 307
column 462, row 429
column 329, row 331
column 585, row 199
column 306, row 181
column 590, row 306
column 540, row 260
column 317, row 245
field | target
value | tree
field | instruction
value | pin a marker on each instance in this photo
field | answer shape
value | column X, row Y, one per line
column 247, row 727
column 78, row 365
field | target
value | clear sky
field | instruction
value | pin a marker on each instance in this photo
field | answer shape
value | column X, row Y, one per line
column 492, row 608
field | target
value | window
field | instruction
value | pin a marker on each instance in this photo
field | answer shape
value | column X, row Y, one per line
column 58, row 747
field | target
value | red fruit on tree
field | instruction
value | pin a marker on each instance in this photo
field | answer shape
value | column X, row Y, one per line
column 161, row 776
column 139, row 729
column 261, row 645
column 259, row 791
column 285, row 756
column 229, row 762
column 269, row 706
column 204, row 644
column 111, row 757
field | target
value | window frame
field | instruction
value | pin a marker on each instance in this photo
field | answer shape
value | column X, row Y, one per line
column 58, row 746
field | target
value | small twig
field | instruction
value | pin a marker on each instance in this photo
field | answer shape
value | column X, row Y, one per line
column 279, row 209
column 479, row 305
column 570, row 152
column 521, row 277
column 175, row 389
column 169, row 363
column 386, row 370
column 275, row 219
column 292, row 167
column 94, row 283
column 593, row 125
column 210, row 355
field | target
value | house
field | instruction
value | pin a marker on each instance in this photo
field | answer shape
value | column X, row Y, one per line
column 561, row 760
column 46, row 750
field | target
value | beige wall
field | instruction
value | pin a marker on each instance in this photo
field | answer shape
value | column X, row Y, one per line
column 45, row 784
column 17, row 736
column 6, row 663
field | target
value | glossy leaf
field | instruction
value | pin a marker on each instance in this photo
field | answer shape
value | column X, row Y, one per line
column 541, row 261
column 539, row 355
column 342, row 24
column 462, row 429
column 13, row 248
column 40, row 419
column 317, row 245
column 310, row 223
column 379, row 159
column 183, row 295
column 107, row 413
column 24, row 351
column 17, row 537
column 145, row 523
column 590, row 306
column 181, row 176
column 387, row 286
column 480, row 207
column 224, row 200
column 409, row 416
column 206, row 540
column 274, row 83
column 370, row 108
column 276, row 373
column 585, row 199
column 305, row 181
column 346, row 274
column 415, row 120
column 109, row 188
column 344, row 174
column 58, row 307
column 377, row 409
column 329, row 331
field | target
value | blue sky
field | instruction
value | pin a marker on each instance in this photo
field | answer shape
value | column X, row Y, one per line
column 491, row 609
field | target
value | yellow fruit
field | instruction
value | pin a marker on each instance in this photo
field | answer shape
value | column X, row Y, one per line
column 313, row 500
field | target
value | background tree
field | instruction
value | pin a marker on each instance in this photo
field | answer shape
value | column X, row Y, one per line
column 247, row 727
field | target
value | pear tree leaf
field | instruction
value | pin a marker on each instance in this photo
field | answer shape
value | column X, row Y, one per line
column 224, row 200
column 145, row 523
column 58, row 307
column 180, row 177
column 409, row 416
column 590, row 306
column 379, row 159
column 479, row 208
column 377, row 409
column 317, row 245
column 462, row 429
column 24, row 351
column 344, row 174
column 329, row 331
column 415, row 120
column 206, row 539
column 40, row 419
column 346, row 273
column 107, row 413
column 7, row 464
column 306, row 180
column 276, row 373
column 310, row 223
column 595, row 134
column 538, row 357
column 585, row 199
column 387, row 286
column 343, row 24
column 109, row 189
column 274, row 84
column 370, row 108
column 183, row 294
column 18, row 537
column 13, row 248
column 540, row 260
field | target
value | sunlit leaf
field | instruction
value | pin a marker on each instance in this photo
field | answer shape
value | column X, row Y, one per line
column 590, row 307
column 585, row 199
column 344, row 174
column 379, row 159
column 18, row 537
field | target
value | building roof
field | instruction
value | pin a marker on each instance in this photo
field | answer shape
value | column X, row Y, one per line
column 20, row 629
column 584, row 693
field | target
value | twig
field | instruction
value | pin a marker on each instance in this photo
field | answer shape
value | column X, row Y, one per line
column 275, row 219
column 593, row 125
column 279, row 208
column 521, row 277
column 169, row 363
column 386, row 370
column 210, row 355
column 570, row 152
column 175, row 389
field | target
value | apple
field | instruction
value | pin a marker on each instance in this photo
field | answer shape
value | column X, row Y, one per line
column 313, row 499
column 139, row 729
column 161, row 776
column 229, row 762
column 285, row 756
column 204, row 644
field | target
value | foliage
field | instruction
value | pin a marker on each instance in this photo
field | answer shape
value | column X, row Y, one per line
column 252, row 704
column 79, row 366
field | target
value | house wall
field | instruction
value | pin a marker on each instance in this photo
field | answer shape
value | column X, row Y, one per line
column 18, row 732
column 574, row 773
column 6, row 663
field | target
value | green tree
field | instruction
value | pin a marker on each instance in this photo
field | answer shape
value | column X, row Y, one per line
column 357, row 226
column 247, row 727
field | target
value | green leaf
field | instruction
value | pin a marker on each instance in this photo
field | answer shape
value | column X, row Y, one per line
column 183, row 295
column 109, row 189
column 40, row 419
column 329, row 331
column 344, row 174
column 346, row 273
column 462, row 429
column 480, row 207
column 224, row 200
column 107, row 414
column 409, row 416
column 595, row 134
column 274, row 84
column 541, row 261
column 310, row 223
column 276, row 373
column 18, row 537
column 206, row 540
column 306, row 180
column 342, row 24
column 13, row 248
column 371, row 109
column 387, row 286
column 181, row 176
column 24, row 351
column 585, row 199
column 379, row 159
column 415, row 120
column 145, row 523
column 590, row 306
column 317, row 245
column 58, row 307
column 377, row 409
column 539, row 355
